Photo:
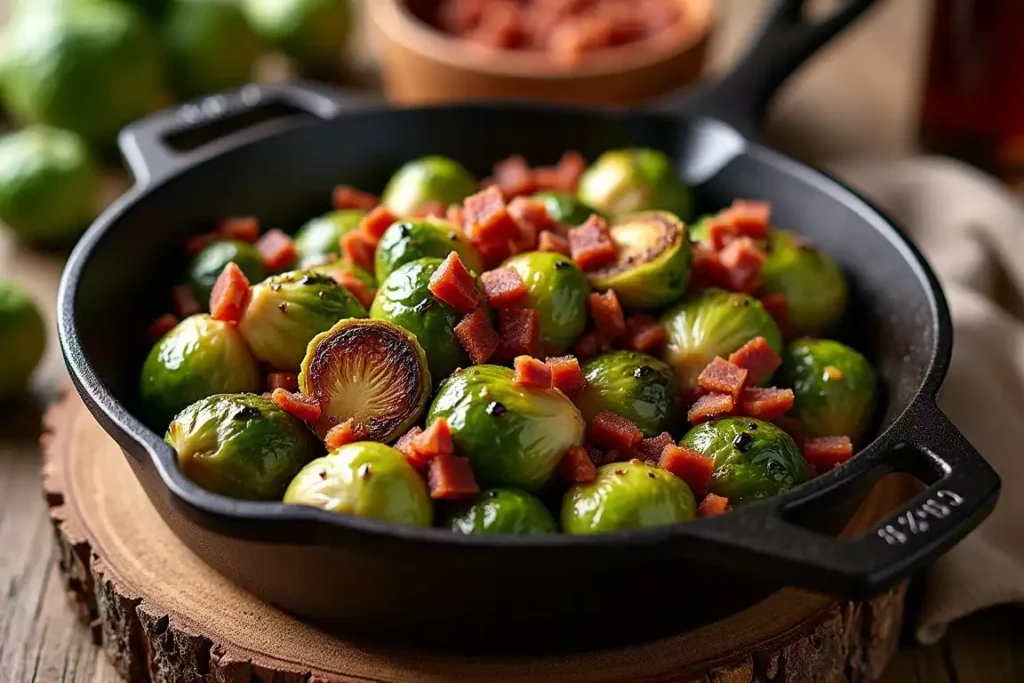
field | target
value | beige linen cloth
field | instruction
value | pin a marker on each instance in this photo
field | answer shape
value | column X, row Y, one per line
column 971, row 229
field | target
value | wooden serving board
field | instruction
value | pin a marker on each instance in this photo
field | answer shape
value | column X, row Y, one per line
column 162, row 615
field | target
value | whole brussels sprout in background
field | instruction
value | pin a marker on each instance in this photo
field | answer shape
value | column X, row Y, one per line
column 502, row 511
column 364, row 479
column 430, row 179
column 319, row 240
column 635, row 179
column 407, row 241
column 627, row 495
column 834, row 387
column 312, row 32
column 513, row 435
column 22, row 338
column 566, row 208
column 208, row 264
column 753, row 459
column 634, row 385
column 710, row 323
column 240, row 445
column 814, row 286
column 199, row 357
column 558, row 291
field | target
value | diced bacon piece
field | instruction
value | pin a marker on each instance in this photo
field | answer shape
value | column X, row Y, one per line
column 347, row 197
column 742, row 259
column 184, row 302
column 792, row 427
column 751, row 218
column 277, row 250
column 242, row 228
column 161, row 326
column 551, row 241
column 297, row 405
column 460, row 16
column 591, row 244
column 723, row 377
column 713, row 506
column 289, row 381
column 500, row 26
column 566, row 374
column 530, row 372
column 504, row 287
column 546, row 178
column 477, row 336
column 347, row 432
column 574, row 37
column 577, row 467
column 691, row 466
column 513, row 176
column 643, row 333
column 569, row 169
column 778, row 308
column 590, row 344
column 826, row 452
column 453, row 284
column 359, row 289
column 518, row 330
column 706, row 269
column 450, row 478
column 486, row 218
column 766, row 404
column 404, row 445
column 607, row 314
column 435, row 440
column 230, row 294
column 711, row 406
column 196, row 244
column 610, row 430
column 720, row 231
column 357, row 249
column 493, row 254
column 429, row 210
column 599, row 457
column 455, row 215
column 375, row 223
column 758, row 358
column 532, row 217
column 649, row 450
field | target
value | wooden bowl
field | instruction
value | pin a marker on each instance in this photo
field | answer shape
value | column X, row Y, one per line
column 422, row 65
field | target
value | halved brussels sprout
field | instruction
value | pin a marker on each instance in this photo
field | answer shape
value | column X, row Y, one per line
column 638, row 387
column 565, row 208
column 834, row 387
column 364, row 479
column 320, row 238
column 208, row 264
column 753, row 459
column 407, row 241
column 653, row 262
column 240, row 445
column 627, row 495
column 513, row 435
column 287, row 310
column 200, row 356
column 371, row 371
column 430, row 179
column 557, row 290
column 814, row 286
column 502, row 511
column 635, row 179
column 341, row 265
column 710, row 323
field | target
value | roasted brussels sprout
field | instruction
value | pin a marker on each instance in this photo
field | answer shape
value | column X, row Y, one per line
column 319, row 240
column 430, row 237
column 653, row 262
column 430, row 179
column 565, row 208
column 710, row 323
column 371, row 371
column 200, row 356
column 639, row 387
column 287, row 310
column 208, row 264
column 557, row 290
column 22, row 338
column 365, row 479
column 331, row 268
column 240, row 445
column 753, row 459
column 635, row 179
column 834, row 387
column 513, row 435
column 502, row 511
column 626, row 495
column 814, row 286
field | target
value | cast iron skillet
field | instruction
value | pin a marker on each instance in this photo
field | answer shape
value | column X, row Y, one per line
column 430, row 585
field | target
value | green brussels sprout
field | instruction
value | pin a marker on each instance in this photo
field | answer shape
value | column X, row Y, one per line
column 753, row 459
column 312, row 32
column 834, row 387
column 429, row 237
column 342, row 266
column 199, row 357
column 557, row 290
column 370, row 371
column 639, row 387
column 709, row 323
column 635, row 179
column 240, row 445
column 430, row 179
column 209, row 263
column 565, row 208
column 319, row 240
column 513, row 435
column 502, row 511
column 626, row 495
column 364, row 479
column 285, row 311
column 814, row 286
column 22, row 338
column 652, row 266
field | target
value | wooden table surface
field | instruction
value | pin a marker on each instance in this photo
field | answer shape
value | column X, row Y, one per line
column 859, row 99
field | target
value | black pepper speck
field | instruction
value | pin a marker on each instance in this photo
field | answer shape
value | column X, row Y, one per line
column 621, row 473
column 492, row 494
column 559, row 265
column 245, row 413
column 743, row 442
column 643, row 371
column 424, row 306
column 276, row 287
column 752, row 426
column 496, row 409
column 404, row 230
column 453, row 236
column 365, row 471
column 651, row 475
column 283, row 306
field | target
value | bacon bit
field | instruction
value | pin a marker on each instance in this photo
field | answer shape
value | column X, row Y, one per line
column 706, row 269
column 650, row 450
column 577, row 467
column 713, row 506
column 161, row 326
column 530, row 372
column 453, row 284
column 590, row 344
column 569, row 170
column 710, row 406
column 792, row 427
column 532, row 217
column 196, row 244
column 486, row 218
column 297, row 405
column 518, row 330
column 572, row 39
column 357, row 249
column 826, row 452
column 450, row 477
column 183, row 302
column 550, row 241
column 566, row 374
column 460, row 16
column 751, row 218
column 375, row 223
column 347, row 197
column 289, row 381
column 494, row 254
column 591, row 244
column 429, row 210
column 500, row 27
column 778, row 308
column 504, row 287
column 546, row 178
column 229, row 295
column 277, row 250
column 766, row 404
column 359, row 289
column 436, row 440
column 242, row 228
column 607, row 314
column 477, row 336
column 758, row 358
column 347, row 432
column 691, row 466
column 454, row 215
column 723, row 377
column 404, row 445
column 643, row 333
column 610, row 430
column 514, row 177
column 742, row 259
column 719, row 230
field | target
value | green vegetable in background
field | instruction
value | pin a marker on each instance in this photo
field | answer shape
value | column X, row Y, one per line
column 312, row 32
column 814, row 286
column 208, row 264
column 428, row 237
column 635, row 179
column 501, row 511
column 430, row 179
column 558, row 291
column 636, row 386
column 22, row 338
column 319, row 240
column 565, row 208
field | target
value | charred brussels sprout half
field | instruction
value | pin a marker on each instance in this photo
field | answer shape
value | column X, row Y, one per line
column 241, row 445
column 430, row 179
column 814, row 286
column 430, row 237
column 710, row 323
column 319, row 240
column 834, row 387
column 513, row 435
column 364, row 479
column 286, row 311
column 638, row 387
column 200, row 356
column 370, row 371
column 753, row 459
column 653, row 262
column 565, row 208
column 557, row 290
column 635, row 179
column 626, row 495
column 208, row 264
column 502, row 511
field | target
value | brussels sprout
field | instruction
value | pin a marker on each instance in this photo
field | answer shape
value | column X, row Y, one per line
column 208, row 264
column 240, row 445
column 635, row 179
column 565, row 208
column 371, row 371
column 812, row 282
column 287, row 310
column 712, row 323
column 639, row 387
column 834, row 387
column 513, row 435
column 342, row 266
column 22, row 338
column 319, row 240
column 365, row 479
column 558, row 291
column 626, row 495
column 430, row 179
column 753, row 459
column 653, row 262
column 502, row 511
column 199, row 357
column 431, row 237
